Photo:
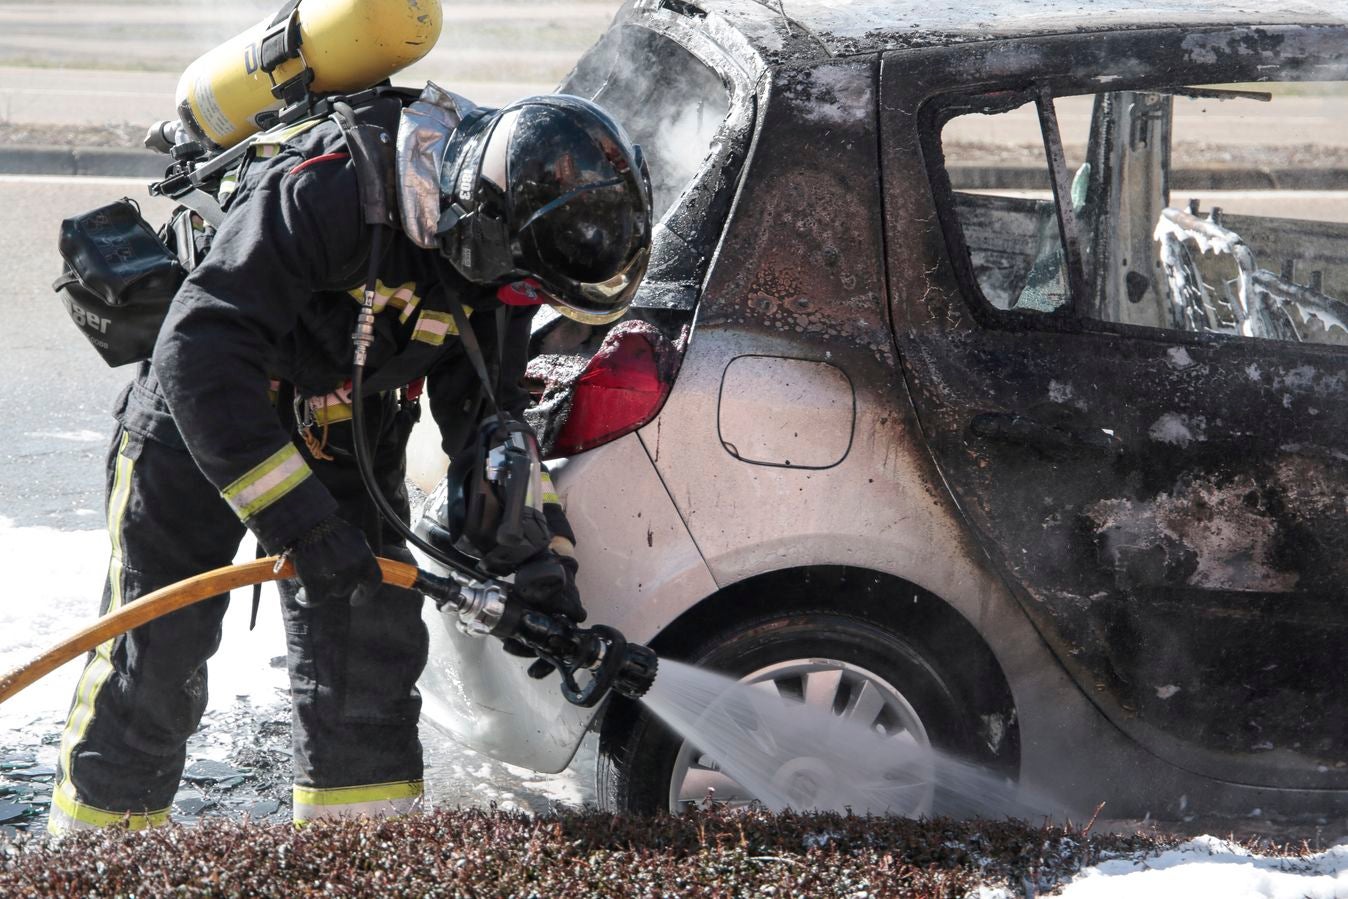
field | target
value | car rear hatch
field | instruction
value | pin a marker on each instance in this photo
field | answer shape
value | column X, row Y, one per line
column 682, row 84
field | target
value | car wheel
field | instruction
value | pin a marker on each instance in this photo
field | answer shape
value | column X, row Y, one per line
column 847, row 665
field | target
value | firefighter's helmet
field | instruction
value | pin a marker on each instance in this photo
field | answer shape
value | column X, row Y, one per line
column 550, row 190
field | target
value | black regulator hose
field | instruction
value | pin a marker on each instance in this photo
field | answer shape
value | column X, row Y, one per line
column 365, row 465
column 362, row 339
column 614, row 664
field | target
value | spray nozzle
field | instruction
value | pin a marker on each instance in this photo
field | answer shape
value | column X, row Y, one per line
column 486, row 607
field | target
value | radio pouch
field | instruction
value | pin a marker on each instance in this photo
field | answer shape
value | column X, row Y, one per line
column 118, row 280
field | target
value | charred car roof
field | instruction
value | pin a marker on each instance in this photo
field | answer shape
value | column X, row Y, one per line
column 800, row 30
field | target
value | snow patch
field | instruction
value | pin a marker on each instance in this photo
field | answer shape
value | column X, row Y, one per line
column 1167, row 691
column 1207, row 866
column 1300, row 378
column 1059, row 392
column 821, row 839
column 838, row 96
column 54, row 580
column 1180, row 358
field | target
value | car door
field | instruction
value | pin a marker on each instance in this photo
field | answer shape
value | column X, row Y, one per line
column 1157, row 466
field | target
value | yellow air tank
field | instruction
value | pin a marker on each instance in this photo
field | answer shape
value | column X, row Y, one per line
column 349, row 44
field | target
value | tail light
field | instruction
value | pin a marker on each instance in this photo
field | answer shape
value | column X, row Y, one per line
column 621, row 388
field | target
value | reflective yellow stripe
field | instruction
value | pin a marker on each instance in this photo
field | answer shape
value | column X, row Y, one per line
column 433, row 327
column 99, row 668
column 266, row 482
column 278, row 136
column 264, row 146
column 549, row 491
column 332, row 412
column 371, row 800
column 403, row 297
column 229, row 182
column 409, row 307
column 331, row 407
column 69, row 814
column 398, row 789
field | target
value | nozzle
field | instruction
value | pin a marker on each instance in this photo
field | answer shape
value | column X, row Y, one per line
column 639, row 667
column 484, row 607
column 613, row 664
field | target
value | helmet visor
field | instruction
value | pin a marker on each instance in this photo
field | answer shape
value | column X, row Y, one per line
column 600, row 302
column 590, row 248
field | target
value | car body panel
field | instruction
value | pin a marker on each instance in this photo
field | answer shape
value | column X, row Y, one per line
column 792, row 413
column 811, row 30
column 635, row 553
column 1172, row 565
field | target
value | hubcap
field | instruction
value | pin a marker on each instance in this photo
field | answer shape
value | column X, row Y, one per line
column 845, row 690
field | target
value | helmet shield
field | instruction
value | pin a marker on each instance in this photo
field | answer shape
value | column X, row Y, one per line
column 426, row 128
column 550, row 188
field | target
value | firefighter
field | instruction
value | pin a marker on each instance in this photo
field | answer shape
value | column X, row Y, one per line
column 242, row 419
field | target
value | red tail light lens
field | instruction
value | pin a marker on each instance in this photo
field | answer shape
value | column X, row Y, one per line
column 622, row 387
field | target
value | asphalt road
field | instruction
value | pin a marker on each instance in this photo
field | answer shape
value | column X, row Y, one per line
column 55, row 96
column 55, row 390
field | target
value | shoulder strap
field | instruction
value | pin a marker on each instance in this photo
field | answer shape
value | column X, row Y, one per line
column 364, row 335
column 203, row 204
column 374, row 153
column 467, row 336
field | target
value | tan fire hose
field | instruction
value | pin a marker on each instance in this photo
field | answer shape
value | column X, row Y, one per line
column 170, row 599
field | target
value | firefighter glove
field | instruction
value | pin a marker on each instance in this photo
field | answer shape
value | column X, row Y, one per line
column 335, row 564
column 547, row 583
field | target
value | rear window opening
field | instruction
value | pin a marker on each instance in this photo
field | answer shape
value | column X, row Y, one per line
column 595, row 384
column 668, row 100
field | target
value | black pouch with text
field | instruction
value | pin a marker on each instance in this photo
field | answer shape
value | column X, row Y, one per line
column 118, row 280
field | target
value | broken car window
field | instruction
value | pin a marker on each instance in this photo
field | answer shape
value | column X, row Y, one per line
column 669, row 102
column 998, row 169
column 1205, row 208
column 1254, row 237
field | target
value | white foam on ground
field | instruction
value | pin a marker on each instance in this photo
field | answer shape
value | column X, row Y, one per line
column 52, row 584
column 1207, row 866
column 80, row 436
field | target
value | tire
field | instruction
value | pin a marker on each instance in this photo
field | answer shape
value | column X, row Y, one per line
column 642, row 763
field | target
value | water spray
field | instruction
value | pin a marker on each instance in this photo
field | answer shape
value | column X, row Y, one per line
column 786, row 754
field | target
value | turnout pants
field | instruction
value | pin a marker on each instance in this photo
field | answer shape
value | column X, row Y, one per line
column 352, row 670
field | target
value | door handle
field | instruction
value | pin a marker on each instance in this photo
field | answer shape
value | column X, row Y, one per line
column 1020, row 430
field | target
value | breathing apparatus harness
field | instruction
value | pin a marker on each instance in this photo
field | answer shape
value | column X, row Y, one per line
column 500, row 494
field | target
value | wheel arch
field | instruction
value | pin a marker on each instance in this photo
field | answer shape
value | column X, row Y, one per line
column 880, row 598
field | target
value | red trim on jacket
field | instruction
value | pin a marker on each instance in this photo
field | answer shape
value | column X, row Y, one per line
column 326, row 157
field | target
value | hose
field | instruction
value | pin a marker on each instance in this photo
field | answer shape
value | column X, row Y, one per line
column 170, row 599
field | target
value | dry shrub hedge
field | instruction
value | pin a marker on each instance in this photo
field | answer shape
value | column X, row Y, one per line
column 571, row 854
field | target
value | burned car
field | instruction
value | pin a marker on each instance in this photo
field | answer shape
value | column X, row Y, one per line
column 987, row 387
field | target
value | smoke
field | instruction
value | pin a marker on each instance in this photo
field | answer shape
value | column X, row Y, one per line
column 668, row 101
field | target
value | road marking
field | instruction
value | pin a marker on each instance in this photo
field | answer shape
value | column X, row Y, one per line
column 74, row 179
column 81, row 92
